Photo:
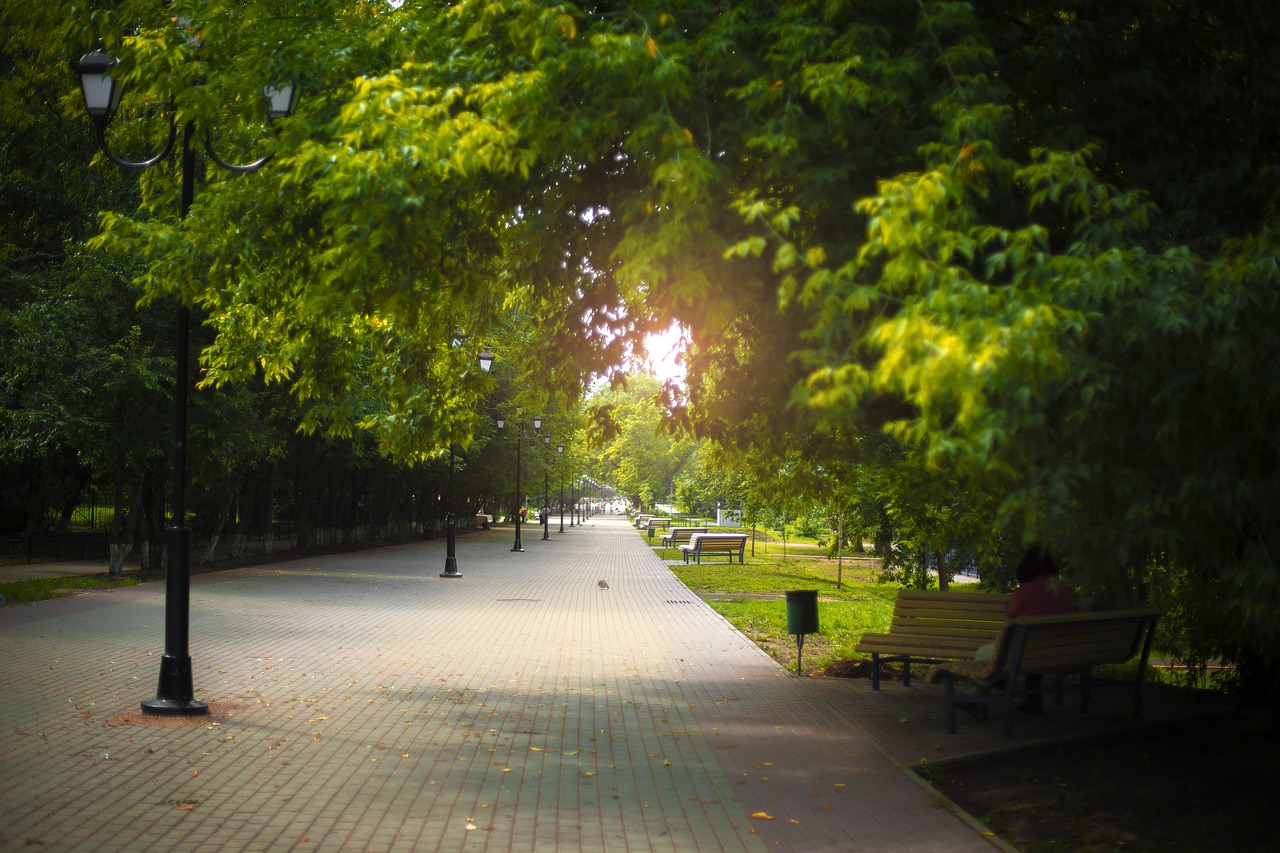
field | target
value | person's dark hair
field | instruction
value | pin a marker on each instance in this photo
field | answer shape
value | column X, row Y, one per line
column 1035, row 562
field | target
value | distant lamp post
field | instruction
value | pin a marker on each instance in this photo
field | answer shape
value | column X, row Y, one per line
column 486, row 359
column 502, row 422
column 519, row 504
column 560, row 452
column 175, row 693
column 546, row 490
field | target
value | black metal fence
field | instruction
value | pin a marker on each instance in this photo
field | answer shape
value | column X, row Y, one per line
column 52, row 547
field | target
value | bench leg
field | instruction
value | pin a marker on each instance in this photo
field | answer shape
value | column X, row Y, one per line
column 875, row 670
column 951, row 702
column 1006, row 708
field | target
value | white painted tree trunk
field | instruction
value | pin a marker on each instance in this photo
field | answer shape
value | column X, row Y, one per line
column 118, row 553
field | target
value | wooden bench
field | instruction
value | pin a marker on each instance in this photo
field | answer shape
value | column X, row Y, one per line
column 656, row 523
column 677, row 535
column 930, row 626
column 706, row 544
column 483, row 520
column 642, row 520
column 1063, row 646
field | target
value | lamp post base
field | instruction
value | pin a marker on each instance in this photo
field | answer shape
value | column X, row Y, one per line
column 451, row 560
column 174, row 695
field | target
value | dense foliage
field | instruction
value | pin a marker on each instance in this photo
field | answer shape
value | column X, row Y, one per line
column 1008, row 267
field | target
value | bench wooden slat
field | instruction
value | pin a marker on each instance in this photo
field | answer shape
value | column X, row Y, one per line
column 718, row 545
column 931, row 646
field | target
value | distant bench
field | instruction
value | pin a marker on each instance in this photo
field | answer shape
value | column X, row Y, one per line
column 677, row 535
column 656, row 523
column 707, row 544
column 483, row 520
column 642, row 520
column 1067, row 645
column 930, row 626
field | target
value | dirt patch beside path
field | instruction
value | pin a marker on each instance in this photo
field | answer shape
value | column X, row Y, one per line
column 1193, row 788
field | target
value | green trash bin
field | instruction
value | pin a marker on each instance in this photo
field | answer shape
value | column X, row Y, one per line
column 802, row 617
column 802, row 611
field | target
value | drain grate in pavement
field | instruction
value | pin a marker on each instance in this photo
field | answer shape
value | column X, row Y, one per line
column 219, row 712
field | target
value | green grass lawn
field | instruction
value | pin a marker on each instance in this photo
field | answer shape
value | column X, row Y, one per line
column 42, row 589
column 752, row 598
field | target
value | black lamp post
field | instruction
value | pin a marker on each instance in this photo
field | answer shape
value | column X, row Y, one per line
column 537, row 425
column 560, row 452
column 546, row 492
column 175, row 693
column 451, row 520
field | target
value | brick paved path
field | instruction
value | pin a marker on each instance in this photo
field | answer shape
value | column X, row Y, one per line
column 571, row 697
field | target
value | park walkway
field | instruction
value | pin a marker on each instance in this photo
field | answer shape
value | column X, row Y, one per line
column 571, row 697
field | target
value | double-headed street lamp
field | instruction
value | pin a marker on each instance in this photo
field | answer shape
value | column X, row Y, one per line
column 485, row 359
column 175, row 693
column 519, row 504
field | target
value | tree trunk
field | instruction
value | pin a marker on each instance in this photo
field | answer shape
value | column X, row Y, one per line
column 123, row 530
column 118, row 554
column 269, row 513
column 225, row 512
column 244, row 518
column 117, row 521
column 840, row 550
column 944, row 580
column 153, row 551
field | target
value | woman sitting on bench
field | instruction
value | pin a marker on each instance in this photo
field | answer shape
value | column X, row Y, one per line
column 1041, row 592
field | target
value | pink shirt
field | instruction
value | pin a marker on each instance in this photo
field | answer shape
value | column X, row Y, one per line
column 1047, row 595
